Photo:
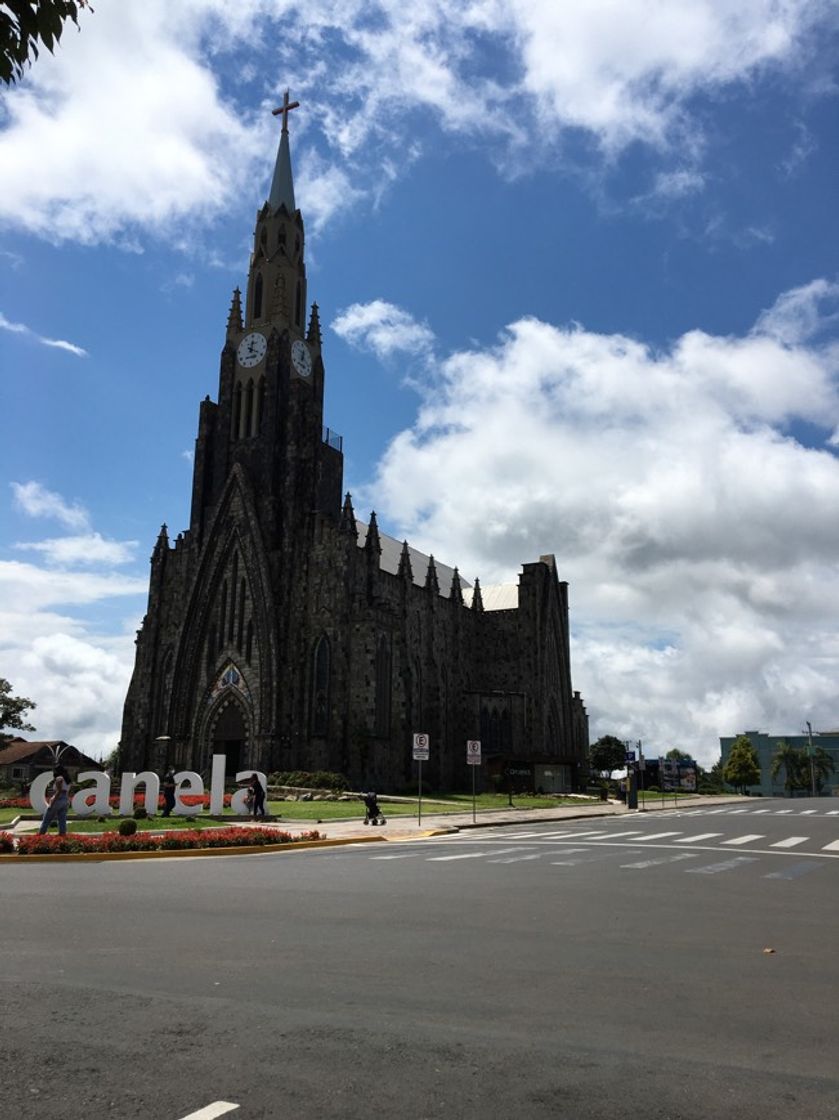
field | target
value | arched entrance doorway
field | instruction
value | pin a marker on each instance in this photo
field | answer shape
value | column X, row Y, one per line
column 230, row 737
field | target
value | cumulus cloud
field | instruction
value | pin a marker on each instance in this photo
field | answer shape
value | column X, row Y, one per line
column 621, row 74
column 698, row 535
column 383, row 328
column 58, row 343
column 88, row 549
column 56, row 635
column 36, row 500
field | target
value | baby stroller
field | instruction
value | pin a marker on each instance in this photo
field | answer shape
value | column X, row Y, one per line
column 372, row 812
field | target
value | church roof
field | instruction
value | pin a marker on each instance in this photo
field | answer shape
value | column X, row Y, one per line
column 503, row 597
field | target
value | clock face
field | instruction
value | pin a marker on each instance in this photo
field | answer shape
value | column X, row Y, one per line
column 301, row 358
column 251, row 349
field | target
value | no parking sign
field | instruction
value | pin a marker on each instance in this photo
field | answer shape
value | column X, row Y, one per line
column 473, row 752
column 421, row 746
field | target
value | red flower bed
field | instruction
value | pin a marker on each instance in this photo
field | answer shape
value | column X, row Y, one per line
column 193, row 800
column 15, row 803
column 146, row 842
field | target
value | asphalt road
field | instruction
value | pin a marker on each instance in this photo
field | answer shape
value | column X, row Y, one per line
column 600, row 968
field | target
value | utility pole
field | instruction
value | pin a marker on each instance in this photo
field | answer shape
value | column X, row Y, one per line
column 810, row 755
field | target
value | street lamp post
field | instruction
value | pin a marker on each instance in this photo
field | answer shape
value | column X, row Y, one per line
column 810, row 755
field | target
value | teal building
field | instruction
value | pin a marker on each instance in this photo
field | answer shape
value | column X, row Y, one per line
column 766, row 747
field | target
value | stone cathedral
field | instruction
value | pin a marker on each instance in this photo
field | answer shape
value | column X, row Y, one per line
column 289, row 635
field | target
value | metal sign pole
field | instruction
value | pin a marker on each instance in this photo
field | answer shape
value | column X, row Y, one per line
column 419, row 814
column 474, row 819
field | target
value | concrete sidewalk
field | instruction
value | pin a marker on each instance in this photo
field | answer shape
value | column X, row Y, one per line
column 408, row 828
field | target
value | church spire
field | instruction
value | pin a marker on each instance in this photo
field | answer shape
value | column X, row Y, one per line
column 234, row 319
column 477, row 598
column 405, row 570
column 282, row 185
column 431, row 581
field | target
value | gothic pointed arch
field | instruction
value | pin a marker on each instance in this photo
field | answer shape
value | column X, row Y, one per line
column 383, row 671
column 233, row 539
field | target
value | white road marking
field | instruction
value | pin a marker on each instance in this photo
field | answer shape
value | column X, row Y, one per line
column 794, row 870
column 615, row 835
column 217, row 1108
column 655, row 862
column 657, row 836
column 757, row 812
column 807, row 812
column 697, row 838
column 832, row 813
column 515, row 859
column 716, row 868
column 744, row 839
column 407, row 855
column 832, row 847
column 782, row 812
column 790, row 842
column 734, row 812
column 471, row 855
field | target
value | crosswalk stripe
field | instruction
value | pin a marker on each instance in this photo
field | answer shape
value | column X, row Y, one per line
column 782, row 812
column 757, row 812
column 515, row 859
column 662, row 859
column 744, row 839
column 790, row 842
column 734, row 812
column 696, row 839
column 716, row 868
column 832, row 813
column 832, row 847
column 657, row 836
column 794, row 870
column 808, row 812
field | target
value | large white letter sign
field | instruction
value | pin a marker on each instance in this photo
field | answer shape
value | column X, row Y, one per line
column 88, row 801
column 217, row 784
column 38, row 791
column 192, row 786
column 130, row 781
column 238, row 802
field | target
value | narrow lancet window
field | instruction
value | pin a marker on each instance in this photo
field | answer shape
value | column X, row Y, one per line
column 249, row 409
column 237, row 410
column 320, row 689
column 257, row 296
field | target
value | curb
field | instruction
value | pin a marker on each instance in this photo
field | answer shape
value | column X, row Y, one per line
column 175, row 853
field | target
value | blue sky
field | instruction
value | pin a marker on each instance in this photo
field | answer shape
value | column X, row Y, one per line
column 577, row 272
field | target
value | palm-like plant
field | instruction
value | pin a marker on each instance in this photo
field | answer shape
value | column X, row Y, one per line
column 823, row 766
column 794, row 763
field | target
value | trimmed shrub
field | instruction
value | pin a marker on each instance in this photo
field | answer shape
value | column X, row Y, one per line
column 140, row 813
column 305, row 779
column 75, row 843
column 127, row 827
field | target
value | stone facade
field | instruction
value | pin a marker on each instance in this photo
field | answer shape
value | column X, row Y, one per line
column 287, row 634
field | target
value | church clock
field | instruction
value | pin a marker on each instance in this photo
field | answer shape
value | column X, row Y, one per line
column 301, row 358
column 251, row 349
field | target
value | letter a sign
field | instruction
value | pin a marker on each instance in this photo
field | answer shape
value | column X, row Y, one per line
column 473, row 752
column 421, row 745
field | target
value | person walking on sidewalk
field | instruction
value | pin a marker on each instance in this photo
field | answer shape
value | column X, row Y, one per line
column 59, row 802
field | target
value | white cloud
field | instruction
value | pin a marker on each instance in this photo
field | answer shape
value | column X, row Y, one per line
column 35, row 500
column 169, row 142
column 699, row 538
column 383, row 328
column 89, row 549
column 58, row 343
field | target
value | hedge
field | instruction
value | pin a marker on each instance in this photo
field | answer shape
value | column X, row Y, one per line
column 75, row 843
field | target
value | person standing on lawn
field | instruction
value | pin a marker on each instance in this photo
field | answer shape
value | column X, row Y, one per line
column 59, row 802
column 258, row 807
column 168, row 791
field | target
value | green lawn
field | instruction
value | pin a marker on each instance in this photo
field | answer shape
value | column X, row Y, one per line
column 300, row 812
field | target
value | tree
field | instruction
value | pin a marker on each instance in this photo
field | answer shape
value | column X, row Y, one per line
column 795, row 764
column 711, row 781
column 742, row 768
column 607, row 754
column 678, row 756
column 25, row 23
column 13, row 709
column 823, row 766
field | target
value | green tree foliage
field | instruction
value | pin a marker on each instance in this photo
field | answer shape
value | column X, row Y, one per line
column 13, row 709
column 823, row 766
column 607, row 754
column 24, row 24
column 678, row 756
column 795, row 765
column 742, row 768
column 711, row 781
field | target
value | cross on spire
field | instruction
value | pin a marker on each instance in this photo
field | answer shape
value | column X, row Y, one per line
column 285, row 109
